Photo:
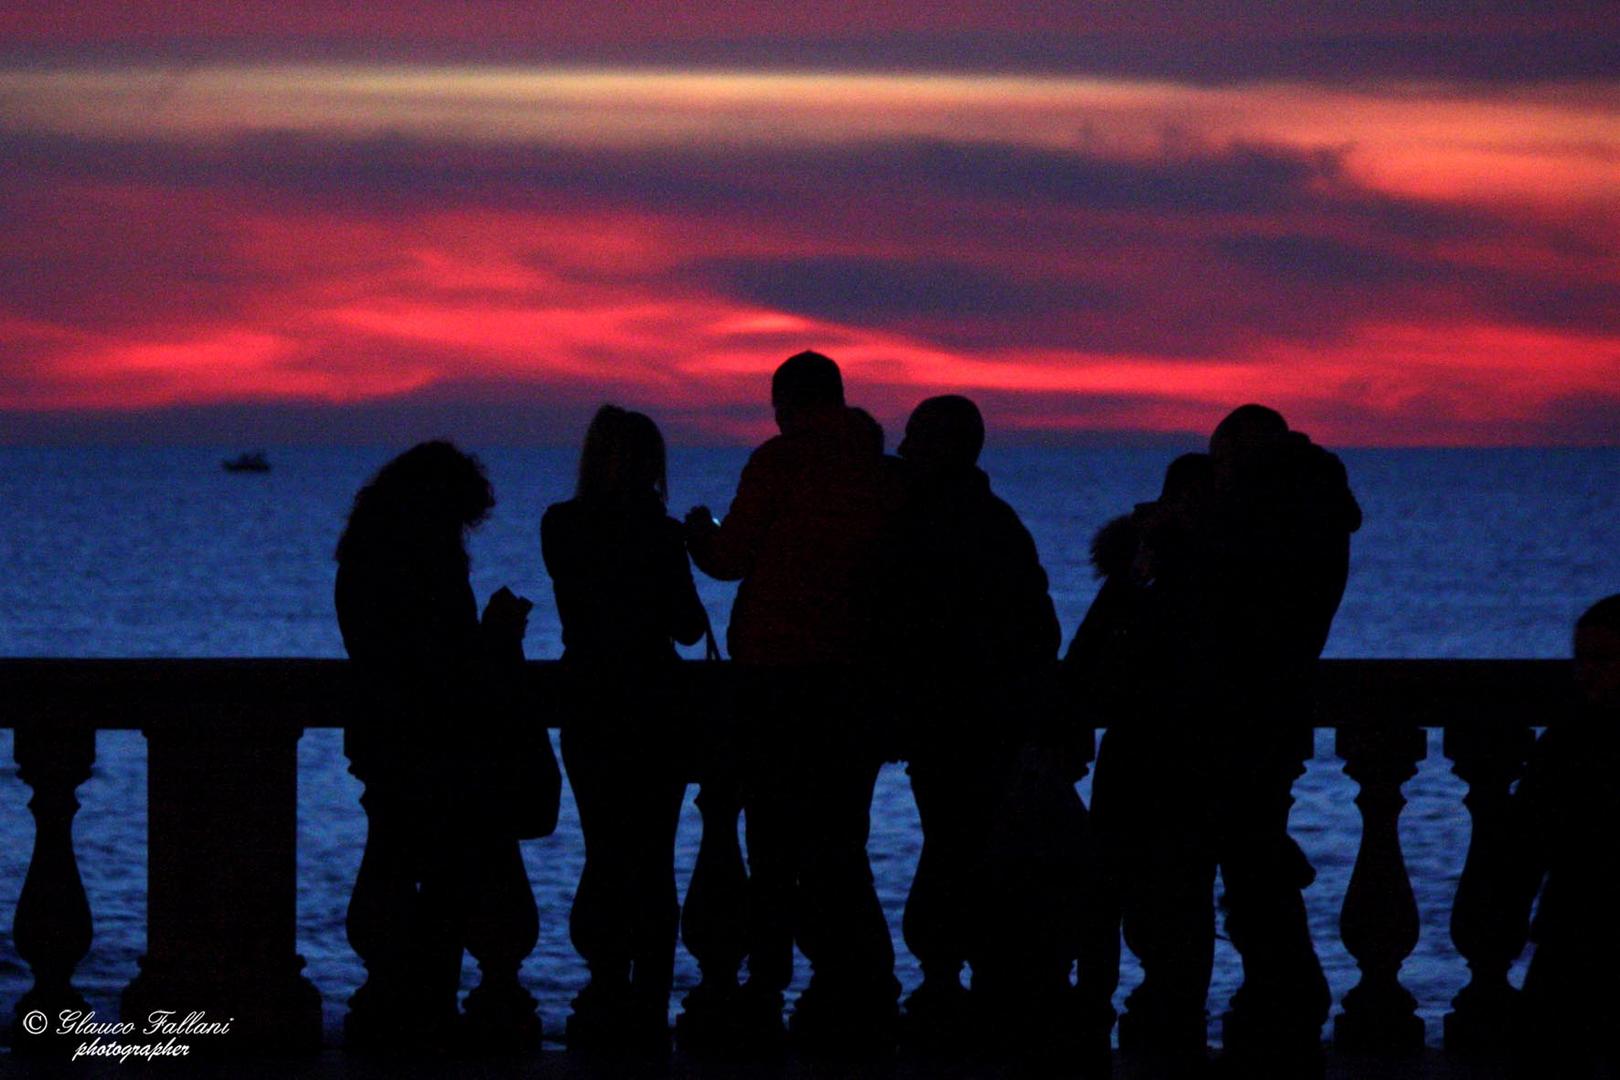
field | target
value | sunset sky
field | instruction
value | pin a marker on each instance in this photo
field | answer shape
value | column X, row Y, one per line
column 266, row 222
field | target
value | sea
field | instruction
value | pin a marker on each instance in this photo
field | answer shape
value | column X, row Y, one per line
column 159, row 552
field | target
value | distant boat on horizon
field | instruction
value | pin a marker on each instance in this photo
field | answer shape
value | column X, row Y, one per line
column 254, row 461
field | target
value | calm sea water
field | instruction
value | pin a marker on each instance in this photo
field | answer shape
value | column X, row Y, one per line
column 158, row 552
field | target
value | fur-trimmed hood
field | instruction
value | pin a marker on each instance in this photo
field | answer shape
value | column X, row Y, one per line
column 1113, row 549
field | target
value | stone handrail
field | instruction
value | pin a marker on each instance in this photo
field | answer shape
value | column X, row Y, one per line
column 222, row 739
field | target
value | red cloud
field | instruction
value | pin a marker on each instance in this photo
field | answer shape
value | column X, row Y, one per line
column 1084, row 285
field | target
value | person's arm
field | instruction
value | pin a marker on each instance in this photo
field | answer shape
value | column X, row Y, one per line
column 685, row 616
column 1535, row 825
column 562, row 550
column 727, row 551
column 504, row 622
column 555, row 552
column 1030, row 614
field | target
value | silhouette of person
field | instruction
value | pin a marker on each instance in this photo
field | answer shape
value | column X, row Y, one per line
column 1569, row 809
column 624, row 590
column 1237, row 575
column 451, row 781
column 807, row 535
column 1154, row 787
column 1278, row 551
column 975, row 640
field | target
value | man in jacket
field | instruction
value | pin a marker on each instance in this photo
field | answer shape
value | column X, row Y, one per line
column 1001, row 870
column 808, row 535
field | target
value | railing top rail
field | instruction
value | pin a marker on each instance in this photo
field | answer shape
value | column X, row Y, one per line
column 148, row 693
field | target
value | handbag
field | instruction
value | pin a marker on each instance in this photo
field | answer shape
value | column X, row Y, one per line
column 707, row 714
column 535, row 789
column 524, row 783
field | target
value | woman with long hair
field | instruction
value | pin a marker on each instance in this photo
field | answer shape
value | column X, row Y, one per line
column 624, row 595
column 450, row 781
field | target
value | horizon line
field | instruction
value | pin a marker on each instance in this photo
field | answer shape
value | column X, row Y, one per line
column 1087, row 441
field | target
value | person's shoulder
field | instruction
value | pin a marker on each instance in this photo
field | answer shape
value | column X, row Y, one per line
column 1309, row 460
column 369, row 559
column 564, row 523
column 1327, row 466
column 1332, row 482
column 1114, row 547
column 773, row 453
column 776, row 444
column 987, row 497
column 991, row 519
column 997, row 510
column 1015, row 535
column 1563, row 746
column 559, row 514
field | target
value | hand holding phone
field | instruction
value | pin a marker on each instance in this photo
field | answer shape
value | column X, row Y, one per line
column 507, row 613
column 699, row 519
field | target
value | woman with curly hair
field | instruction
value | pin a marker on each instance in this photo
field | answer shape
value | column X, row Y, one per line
column 450, row 780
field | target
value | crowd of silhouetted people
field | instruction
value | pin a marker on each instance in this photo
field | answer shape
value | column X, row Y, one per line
column 891, row 608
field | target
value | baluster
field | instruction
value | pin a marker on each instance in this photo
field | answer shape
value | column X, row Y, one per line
column 714, row 920
column 1488, row 916
column 1275, row 1018
column 503, row 929
column 222, row 864
column 1379, row 922
column 53, row 928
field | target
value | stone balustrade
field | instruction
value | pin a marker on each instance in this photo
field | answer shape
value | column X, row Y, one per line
column 222, row 738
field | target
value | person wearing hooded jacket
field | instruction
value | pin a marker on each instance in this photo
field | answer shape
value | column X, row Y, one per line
column 1206, row 647
column 1566, row 810
column 974, row 641
column 1153, row 788
column 1276, row 551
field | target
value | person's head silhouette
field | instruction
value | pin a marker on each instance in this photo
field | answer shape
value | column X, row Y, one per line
column 1188, row 478
column 944, row 432
column 623, row 457
column 806, row 388
column 1241, row 442
column 1597, row 654
column 1245, row 428
column 431, row 494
